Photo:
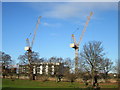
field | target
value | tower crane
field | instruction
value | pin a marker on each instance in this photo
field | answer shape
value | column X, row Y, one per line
column 28, row 48
column 30, row 45
column 75, row 44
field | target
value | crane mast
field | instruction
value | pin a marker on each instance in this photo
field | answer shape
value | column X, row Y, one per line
column 75, row 45
column 28, row 48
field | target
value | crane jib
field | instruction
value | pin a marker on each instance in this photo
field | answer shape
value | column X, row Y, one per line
column 30, row 45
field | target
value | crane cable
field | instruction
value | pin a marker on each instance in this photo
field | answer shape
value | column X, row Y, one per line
column 74, row 33
column 75, row 30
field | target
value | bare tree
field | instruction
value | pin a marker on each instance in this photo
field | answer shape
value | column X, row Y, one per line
column 58, row 72
column 5, row 60
column 106, row 67
column 68, row 63
column 34, row 58
column 91, row 55
column 56, row 59
column 23, row 59
column 69, row 70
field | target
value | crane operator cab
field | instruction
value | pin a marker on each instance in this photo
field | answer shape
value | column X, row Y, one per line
column 72, row 45
column 27, row 48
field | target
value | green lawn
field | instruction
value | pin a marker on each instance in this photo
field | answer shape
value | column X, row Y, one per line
column 48, row 84
column 38, row 84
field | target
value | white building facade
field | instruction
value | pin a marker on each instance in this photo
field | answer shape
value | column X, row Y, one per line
column 43, row 68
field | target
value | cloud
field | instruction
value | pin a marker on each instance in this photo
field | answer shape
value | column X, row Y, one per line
column 67, row 10
column 75, row 10
column 46, row 24
column 51, row 24
column 62, row 11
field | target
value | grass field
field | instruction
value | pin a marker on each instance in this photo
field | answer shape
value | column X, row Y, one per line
column 7, row 83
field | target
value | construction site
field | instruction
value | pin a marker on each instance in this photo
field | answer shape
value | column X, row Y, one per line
column 62, row 51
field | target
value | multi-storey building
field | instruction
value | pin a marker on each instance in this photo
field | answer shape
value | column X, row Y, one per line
column 43, row 68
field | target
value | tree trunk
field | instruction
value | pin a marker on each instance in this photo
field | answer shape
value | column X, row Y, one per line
column 106, row 77
column 92, row 77
column 31, row 75
column 3, row 75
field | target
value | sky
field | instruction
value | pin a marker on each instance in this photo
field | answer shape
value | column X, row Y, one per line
column 59, row 20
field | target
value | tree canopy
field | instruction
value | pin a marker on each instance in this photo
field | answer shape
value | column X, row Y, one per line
column 94, row 60
column 5, row 59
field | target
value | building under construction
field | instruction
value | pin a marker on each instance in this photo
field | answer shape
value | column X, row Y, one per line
column 43, row 68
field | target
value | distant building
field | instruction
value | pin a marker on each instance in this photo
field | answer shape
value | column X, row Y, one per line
column 5, row 71
column 43, row 68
